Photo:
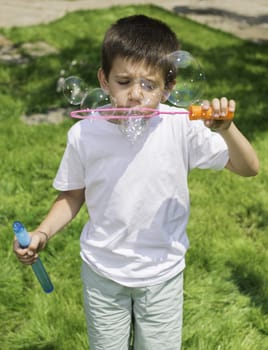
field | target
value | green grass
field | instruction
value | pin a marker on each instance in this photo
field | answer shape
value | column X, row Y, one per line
column 226, row 280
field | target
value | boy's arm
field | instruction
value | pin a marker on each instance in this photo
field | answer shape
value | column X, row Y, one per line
column 63, row 210
column 242, row 157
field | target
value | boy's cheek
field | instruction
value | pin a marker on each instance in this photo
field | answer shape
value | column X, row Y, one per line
column 119, row 100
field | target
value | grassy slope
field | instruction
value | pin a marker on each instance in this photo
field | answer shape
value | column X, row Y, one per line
column 226, row 294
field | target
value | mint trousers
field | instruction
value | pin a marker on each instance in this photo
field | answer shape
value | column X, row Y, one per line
column 123, row 318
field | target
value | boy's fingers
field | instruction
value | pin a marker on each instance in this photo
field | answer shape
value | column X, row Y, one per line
column 205, row 105
column 223, row 106
column 216, row 107
column 231, row 105
column 18, row 250
column 26, row 255
column 28, row 259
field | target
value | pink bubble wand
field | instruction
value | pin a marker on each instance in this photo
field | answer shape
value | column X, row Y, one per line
column 195, row 112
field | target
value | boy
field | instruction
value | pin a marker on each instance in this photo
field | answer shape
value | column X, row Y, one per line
column 134, row 244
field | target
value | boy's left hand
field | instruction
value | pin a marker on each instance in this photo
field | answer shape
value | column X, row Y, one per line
column 220, row 108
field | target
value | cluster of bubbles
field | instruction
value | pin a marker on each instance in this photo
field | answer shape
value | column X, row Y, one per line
column 187, row 81
column 77, row 93
column 133, row 128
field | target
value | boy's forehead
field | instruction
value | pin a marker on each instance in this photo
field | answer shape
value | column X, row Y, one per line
column 127, row 66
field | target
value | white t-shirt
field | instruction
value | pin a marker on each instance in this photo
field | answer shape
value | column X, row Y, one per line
column 137, row 194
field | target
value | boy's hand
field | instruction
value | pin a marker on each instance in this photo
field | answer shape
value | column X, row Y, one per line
column 29, row 255
column 220, row 108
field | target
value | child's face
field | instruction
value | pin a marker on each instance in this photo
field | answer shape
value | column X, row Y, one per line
column 133, row 84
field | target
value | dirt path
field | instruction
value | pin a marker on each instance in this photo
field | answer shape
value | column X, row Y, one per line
column 242, row 18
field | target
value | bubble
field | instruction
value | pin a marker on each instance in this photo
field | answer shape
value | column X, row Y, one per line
column 133, row 128
column 75, row 90
column 186, row 74
column 96, row 98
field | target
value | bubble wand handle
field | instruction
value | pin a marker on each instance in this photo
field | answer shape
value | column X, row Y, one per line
column 24, row 240
column 196, row 112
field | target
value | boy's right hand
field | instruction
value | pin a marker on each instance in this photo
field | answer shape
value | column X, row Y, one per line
column 29, row 255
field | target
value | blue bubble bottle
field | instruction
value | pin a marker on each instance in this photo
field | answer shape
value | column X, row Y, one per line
column 24, row 240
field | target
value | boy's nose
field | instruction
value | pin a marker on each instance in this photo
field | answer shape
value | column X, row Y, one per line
column 135, row 91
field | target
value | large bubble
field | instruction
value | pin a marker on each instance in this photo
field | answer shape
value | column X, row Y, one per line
column 186, row 78
column 74, row 90
column 96, row 98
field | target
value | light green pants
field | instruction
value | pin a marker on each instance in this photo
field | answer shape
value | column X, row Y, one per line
column 155, row 313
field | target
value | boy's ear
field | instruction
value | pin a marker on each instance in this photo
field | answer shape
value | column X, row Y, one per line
column 103, row 81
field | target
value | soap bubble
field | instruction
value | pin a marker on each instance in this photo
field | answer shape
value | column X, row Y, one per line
column 96, row 98
column 133, row 128
column 75, row 90
column 185, row 72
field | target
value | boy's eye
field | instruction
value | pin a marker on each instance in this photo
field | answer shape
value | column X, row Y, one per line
column 147, row 85
column 123, row 82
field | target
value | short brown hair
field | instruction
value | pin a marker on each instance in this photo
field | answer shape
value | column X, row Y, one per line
column 138, row 38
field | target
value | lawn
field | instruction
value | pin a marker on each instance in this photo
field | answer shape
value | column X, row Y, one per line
column 226, row 280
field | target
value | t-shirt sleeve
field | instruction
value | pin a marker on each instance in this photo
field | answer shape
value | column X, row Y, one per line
column 70, row 175
column 207, row 149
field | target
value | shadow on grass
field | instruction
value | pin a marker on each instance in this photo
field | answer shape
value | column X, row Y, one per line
column 252, row 284
column 36, row 82
column 252, row 219
column 249, row 263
